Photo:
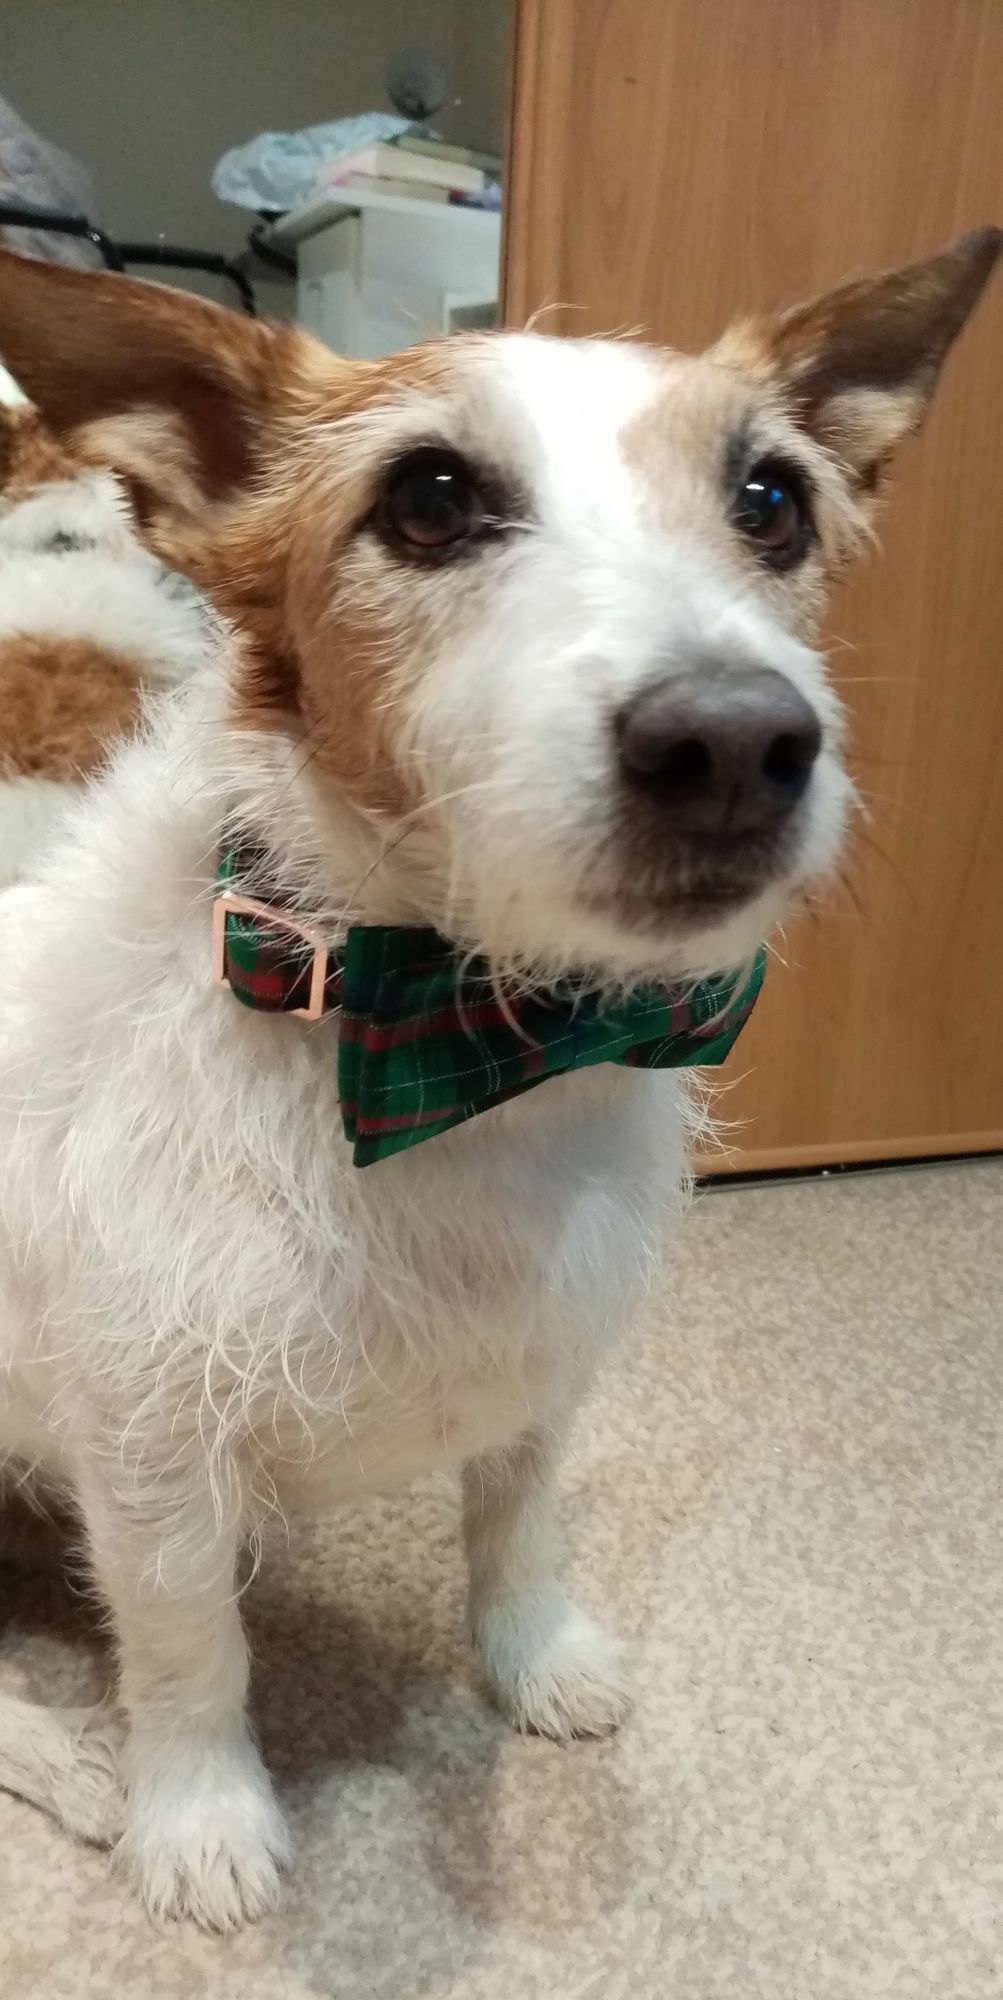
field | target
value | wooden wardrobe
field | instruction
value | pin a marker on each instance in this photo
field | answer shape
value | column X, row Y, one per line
column 674, row 162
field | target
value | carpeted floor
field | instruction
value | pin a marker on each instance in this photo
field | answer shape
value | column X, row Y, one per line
column 790, row 1498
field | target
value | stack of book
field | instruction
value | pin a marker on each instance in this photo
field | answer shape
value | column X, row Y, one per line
column 416, row 167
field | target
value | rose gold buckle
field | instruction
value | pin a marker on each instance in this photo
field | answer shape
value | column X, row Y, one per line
column 226, row 904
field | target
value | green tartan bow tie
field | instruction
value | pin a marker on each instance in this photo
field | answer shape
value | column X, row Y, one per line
column 426, row 1042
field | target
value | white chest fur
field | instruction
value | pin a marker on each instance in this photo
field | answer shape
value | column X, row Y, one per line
column 201, row 1260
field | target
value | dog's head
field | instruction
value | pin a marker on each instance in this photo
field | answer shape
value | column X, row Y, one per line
column 539, row 615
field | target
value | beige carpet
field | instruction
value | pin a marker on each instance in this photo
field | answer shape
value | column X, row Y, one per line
column 790, row 1498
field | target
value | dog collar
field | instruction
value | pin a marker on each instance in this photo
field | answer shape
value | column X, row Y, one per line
column 425, row 1040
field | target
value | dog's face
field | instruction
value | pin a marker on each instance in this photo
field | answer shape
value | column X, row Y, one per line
column 541, row 614
column 569, row 591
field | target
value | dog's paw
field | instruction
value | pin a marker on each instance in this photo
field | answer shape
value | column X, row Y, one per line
column 553, row 1671
column 211, row 1852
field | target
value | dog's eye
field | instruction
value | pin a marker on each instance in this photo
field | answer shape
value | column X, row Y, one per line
column 431, row 502
column 771, row 510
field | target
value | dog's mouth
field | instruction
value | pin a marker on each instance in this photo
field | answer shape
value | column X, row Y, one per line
column 690, row 884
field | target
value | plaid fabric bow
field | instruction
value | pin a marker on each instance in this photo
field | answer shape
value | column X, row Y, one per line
column 424, row 1040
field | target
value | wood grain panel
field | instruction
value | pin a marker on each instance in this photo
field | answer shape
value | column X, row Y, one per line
column 672, row 164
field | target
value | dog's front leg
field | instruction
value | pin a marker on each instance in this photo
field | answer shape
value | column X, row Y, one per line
column 552, row 1669
column 203, row 1835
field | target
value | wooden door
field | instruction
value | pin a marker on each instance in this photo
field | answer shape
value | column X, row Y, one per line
column 673, row 162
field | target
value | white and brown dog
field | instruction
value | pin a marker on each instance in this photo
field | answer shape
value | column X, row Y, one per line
column 519, row 651
column 90, row 622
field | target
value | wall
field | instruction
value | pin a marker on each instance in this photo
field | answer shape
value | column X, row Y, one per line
column 150, row 92
column 481, row 58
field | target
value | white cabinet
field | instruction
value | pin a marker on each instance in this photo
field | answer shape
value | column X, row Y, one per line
column 379, row 272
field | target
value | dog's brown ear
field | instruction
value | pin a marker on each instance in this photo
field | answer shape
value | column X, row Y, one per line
column 89, row 346
column 860, row 364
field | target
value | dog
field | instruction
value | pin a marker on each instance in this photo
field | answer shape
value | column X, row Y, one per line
column 90, row 622
column 516, row 715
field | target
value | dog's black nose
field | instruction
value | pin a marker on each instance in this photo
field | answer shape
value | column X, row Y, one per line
column 720, row 751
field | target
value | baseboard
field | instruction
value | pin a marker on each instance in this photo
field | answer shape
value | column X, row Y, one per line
column 747, row 1161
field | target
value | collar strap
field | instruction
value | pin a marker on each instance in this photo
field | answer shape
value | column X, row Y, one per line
column 426, row 1042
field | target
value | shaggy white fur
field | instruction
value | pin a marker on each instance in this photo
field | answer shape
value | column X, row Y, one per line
column 210, row 1316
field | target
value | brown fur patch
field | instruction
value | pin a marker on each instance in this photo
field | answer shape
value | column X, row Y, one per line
column 680, row 442
column 345, row 712
column 236, row 482
column 889, row 331
column 316, row 665
column 860, row 363
column 89, row 344
column 152, row 455
column 29, row 455
column 697, row 440
column 62, row 702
